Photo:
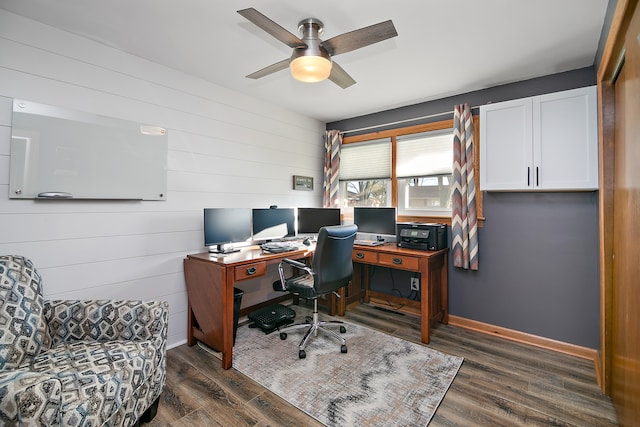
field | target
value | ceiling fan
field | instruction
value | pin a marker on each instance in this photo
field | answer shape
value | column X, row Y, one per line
column 311, row 60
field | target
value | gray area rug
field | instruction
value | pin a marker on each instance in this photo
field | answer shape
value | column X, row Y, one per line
column 381, row 381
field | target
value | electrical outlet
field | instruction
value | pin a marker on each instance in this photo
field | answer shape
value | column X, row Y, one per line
column 415, row 284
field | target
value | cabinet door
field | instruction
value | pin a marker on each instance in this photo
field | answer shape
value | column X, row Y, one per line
column 565, row 140
column 506, row 154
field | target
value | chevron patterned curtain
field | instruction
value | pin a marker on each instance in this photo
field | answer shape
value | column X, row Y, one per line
column 332, row 143
column 464, row 222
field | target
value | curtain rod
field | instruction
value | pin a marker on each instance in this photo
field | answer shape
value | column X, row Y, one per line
column 403, row 121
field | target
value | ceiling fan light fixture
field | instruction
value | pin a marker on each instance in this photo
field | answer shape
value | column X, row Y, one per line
column 310, row 68
column 311, row 60
column 311, row 63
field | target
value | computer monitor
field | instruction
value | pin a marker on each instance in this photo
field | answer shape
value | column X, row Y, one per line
column 310, row 220
column 225, row 226
column 378, row 221
column 273, row 223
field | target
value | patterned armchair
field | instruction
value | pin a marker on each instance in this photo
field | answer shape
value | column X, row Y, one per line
column 76, row 363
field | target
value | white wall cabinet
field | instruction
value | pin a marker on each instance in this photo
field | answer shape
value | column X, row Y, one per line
column 542, row 143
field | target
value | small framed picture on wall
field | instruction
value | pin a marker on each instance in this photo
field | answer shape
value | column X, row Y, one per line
column 302, row 182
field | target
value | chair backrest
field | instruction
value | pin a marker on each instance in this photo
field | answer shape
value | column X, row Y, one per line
column 332, row 263
column 24, row 329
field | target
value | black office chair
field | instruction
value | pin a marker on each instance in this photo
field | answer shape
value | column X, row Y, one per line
column 330, row 270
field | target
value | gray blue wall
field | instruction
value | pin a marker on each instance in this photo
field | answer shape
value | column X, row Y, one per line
column 539, row 269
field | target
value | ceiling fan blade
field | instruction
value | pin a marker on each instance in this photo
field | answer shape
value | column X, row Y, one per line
column 360, row 38
column 270, row 69
column 340, row 77
column 272, row 28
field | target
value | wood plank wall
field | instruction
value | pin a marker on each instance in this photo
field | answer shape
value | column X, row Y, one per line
column 225, row 149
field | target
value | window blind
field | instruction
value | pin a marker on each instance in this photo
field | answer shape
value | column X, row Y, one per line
column 364, row 161
column 425, row 154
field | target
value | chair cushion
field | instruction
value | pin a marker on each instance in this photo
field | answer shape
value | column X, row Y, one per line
column 301, row 285
column 23, row 331
column 97, row 378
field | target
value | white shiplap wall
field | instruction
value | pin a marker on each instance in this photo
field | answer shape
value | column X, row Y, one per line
column 225, row 149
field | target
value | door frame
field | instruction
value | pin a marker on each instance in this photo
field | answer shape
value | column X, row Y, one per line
column 609, row 67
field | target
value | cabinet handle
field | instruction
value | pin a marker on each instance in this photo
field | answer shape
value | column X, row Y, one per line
column 359, row 255
column 537, row 178
column 251, row 271
column 397, row 261
column 528, row 176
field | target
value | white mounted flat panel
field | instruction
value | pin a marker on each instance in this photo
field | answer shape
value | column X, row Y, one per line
column 5, row 140
column 5, row 110
column 61, row 153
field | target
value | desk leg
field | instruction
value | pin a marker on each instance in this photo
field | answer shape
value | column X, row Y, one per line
column 342, row 301
column 191, row 323
column 357, row 287
column 425, row 305
column 337, row 305
column 227, row 322
column 433, row 293
column 210, row 290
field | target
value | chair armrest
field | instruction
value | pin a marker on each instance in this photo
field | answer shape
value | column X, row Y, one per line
column 29, row 398
column 108, row 320
column 297, row 264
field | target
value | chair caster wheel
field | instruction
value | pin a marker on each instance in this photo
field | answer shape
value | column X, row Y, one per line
column 343, row 329
column 283, row 336
column 343, row 349
column 302, row 354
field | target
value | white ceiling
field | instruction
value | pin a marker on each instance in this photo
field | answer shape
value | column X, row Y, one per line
column 443, row 47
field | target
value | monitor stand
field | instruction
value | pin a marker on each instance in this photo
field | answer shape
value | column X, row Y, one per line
column 221, row 249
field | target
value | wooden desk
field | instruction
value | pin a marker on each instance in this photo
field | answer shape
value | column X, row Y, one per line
column 210, row 281
column 432, row 266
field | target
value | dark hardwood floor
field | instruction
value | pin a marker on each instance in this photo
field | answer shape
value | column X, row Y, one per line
column 500, row 383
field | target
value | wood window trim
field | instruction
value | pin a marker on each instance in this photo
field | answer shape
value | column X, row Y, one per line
column 428, row 127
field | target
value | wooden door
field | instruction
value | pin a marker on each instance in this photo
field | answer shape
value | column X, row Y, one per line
column 619, row 82
column 626, row 234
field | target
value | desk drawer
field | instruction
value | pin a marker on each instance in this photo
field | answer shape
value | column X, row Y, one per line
column 250, row 270
column 364, row 256
column 399, row 261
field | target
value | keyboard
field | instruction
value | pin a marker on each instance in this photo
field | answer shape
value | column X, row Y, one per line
column 279, row 247
column 368, row 242
column 286, row 239
column 297, row 238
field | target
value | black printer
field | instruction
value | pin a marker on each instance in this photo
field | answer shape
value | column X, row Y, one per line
column 417, row 235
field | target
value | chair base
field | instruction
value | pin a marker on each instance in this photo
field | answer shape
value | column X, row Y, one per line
column 313, row 326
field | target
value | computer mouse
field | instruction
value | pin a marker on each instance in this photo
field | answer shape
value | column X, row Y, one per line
column 306, row 242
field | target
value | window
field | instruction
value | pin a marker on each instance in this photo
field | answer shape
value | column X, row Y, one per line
column 365, row 174
column 408, row 168
column 425, row 195
column 424, row 172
